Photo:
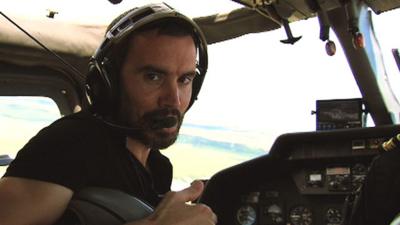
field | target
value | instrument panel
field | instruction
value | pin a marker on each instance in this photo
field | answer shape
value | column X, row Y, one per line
column 305, row 197
column 304, row 180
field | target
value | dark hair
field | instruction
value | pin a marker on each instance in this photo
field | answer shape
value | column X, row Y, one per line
column 168, row 26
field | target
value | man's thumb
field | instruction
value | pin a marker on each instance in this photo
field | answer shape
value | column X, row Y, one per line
column 193, row 191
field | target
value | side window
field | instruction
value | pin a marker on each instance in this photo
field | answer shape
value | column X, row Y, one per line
column 21, row 118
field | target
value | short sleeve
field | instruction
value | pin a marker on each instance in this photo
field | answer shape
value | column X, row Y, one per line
column 57, row 154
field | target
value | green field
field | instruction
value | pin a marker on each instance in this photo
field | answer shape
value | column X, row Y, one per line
column 199, row 163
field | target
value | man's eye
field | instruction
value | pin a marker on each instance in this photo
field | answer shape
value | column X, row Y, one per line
column 153, row 76
column 187, row 79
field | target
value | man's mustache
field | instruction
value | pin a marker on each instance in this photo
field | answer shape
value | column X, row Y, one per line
column 162, row 118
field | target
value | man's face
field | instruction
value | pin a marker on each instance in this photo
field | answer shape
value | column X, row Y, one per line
column 156, row 81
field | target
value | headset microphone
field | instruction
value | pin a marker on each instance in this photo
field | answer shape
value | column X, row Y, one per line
column 167, row 122
column 117, row 126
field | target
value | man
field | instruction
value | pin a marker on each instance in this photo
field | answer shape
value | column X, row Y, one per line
column 142, row 79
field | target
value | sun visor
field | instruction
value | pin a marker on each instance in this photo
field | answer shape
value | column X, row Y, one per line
column 75, row 43
column 222, row 27
column 383, row 5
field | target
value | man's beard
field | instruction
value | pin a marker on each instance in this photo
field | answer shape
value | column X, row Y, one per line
column 148, row 129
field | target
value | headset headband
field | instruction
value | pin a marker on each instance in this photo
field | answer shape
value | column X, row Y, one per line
column 139, row 17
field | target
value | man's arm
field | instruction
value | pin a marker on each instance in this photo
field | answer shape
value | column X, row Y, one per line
column 30, row 202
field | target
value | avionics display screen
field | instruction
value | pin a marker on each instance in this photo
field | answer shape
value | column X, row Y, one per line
column 339, row 110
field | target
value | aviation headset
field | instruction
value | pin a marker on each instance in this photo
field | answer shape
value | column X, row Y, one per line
column 101, row 83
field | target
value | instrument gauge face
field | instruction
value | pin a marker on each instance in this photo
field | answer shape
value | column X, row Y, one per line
column 333, row 216
column 246, row 215
column 274, row 214
column 300, row 215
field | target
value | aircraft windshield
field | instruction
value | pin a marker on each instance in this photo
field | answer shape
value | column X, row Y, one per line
column 257, row 89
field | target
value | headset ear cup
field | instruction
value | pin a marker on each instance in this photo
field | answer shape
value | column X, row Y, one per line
column 98, row 89
column 198, row 80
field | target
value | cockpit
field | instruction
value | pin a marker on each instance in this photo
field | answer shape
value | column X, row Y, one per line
column 298, row 99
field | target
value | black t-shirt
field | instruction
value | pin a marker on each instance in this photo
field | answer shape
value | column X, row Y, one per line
column 81, row 151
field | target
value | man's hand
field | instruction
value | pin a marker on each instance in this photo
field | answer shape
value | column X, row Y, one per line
column 175, row 209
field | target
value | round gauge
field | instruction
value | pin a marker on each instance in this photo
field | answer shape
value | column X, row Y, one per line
column 300, row 215
column 275, row 214
column 246, row 215
column 333, row 216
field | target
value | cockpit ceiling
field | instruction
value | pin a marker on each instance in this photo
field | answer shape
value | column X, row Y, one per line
column 285, row 9
column 302, row 9
column 221, row 27
column 383, row 5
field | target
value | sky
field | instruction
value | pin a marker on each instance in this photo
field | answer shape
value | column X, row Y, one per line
column 253, row 82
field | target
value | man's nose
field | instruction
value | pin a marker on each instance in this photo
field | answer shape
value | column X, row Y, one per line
column 170, row 96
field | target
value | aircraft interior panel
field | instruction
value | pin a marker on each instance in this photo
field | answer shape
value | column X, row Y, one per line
column 304, row 180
